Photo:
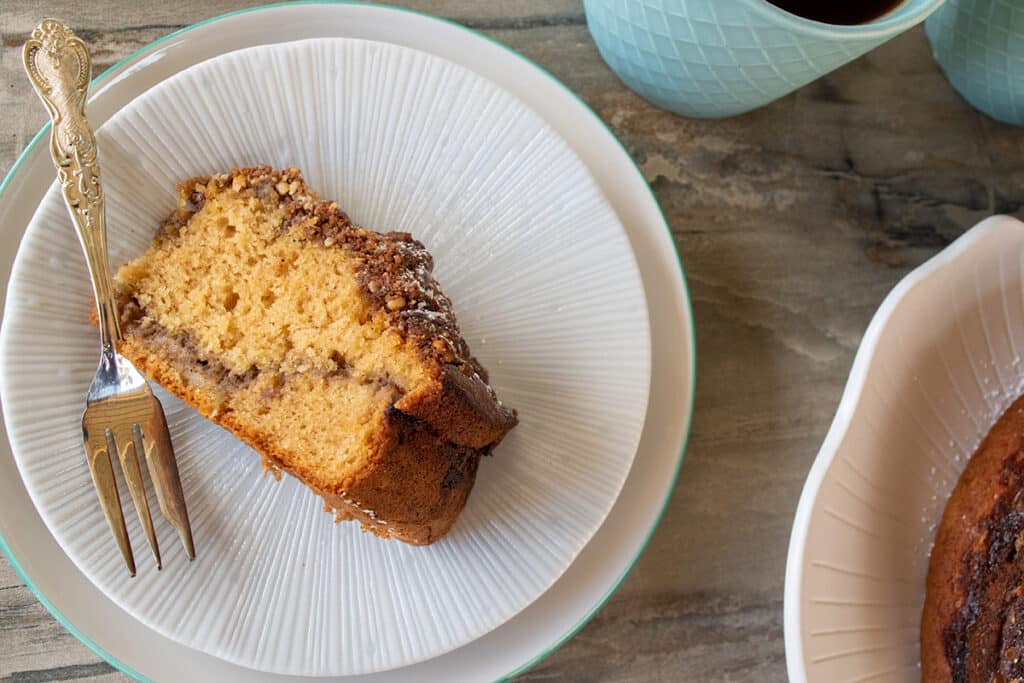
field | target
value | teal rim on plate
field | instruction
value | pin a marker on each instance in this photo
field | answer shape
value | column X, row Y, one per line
column 111, row 659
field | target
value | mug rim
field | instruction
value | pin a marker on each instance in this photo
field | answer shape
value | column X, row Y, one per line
column 901, row 19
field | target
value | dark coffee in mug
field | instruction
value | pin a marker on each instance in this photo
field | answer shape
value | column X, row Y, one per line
column 842, row 12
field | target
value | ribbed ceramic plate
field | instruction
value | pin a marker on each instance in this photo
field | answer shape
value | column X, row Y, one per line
column 940, row 362
column 545, row 287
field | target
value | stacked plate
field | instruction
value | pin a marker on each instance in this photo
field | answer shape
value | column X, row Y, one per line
column 567, row 286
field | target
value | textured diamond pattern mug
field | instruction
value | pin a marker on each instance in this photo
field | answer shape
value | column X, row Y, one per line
column 715, row 58
column 980, row 46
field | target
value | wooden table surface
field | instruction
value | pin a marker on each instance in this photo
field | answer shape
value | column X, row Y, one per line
column 793, row 222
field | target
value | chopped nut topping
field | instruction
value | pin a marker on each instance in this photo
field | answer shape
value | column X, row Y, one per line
column 396, row 303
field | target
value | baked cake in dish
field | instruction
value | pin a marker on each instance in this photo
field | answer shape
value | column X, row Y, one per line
column 972, row 628
column 328, row 348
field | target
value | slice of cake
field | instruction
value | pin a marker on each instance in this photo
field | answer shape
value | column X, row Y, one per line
column 328, row 348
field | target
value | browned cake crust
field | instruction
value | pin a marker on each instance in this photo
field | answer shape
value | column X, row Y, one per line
column 424, row 455
column 972, row 627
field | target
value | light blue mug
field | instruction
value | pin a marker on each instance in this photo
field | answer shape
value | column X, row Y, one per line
column 715, row 58
column 980, row 46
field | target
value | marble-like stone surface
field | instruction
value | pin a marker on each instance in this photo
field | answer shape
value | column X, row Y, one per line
column 793, row 222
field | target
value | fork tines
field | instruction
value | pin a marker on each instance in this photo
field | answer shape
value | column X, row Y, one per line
column 125, row 425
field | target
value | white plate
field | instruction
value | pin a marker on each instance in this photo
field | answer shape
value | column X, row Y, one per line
column 545, row 286
column 602, row 564
column 939, row 363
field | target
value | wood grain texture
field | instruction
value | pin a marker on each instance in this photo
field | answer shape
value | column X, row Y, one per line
column 794, row 221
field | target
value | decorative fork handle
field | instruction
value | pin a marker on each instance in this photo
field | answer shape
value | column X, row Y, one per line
column 58, row 65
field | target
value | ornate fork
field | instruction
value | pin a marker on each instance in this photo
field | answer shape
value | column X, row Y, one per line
column 122, row 416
